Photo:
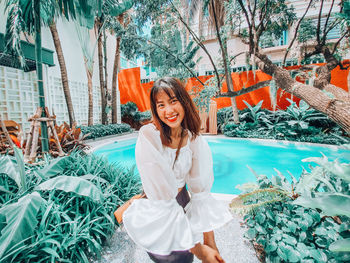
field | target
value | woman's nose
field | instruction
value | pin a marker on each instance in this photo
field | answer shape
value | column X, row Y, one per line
column 169, row 109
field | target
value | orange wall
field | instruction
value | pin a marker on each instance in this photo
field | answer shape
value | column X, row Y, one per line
column 131, row 89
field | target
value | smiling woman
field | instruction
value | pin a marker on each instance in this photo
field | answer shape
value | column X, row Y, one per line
column 170, row 155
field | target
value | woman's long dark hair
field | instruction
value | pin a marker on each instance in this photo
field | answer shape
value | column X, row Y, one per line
column 191, row 120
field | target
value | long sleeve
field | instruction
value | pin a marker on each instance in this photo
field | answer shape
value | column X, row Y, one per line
column 158, row 223
column 203, row 211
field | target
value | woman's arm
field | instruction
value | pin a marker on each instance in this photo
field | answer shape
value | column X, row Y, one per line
column 206, row 254
column 209, row 240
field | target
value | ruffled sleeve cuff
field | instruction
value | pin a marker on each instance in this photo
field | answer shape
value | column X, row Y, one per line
column 205, row 213
column 158, row 226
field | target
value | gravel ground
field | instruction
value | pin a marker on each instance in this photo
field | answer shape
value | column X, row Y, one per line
column 229, row 238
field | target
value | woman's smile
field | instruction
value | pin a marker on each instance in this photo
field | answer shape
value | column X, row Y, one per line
column 173, row 118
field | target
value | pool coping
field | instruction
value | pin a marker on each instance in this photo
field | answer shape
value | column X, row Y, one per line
column 100, row 142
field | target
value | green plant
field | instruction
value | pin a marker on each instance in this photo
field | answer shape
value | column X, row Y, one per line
column 100, row 130
column 61, row 211
column 303, row 221
column 294, row 124
column 132, row 116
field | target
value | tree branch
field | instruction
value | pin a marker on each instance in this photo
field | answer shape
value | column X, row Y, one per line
column 244, row 91
column 295, row 33
column 333, row 25
column 262, row 16
column 328, row 15
column 337, row 43
column 223, row 50
column 197, row 40
column 244, row 11
column 183, row 63
column 319, row 23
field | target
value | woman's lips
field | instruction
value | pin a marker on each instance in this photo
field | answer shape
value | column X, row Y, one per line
column 173, row 118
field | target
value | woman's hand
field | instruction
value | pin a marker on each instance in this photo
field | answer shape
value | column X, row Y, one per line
column 211, row 255
column 207, row 254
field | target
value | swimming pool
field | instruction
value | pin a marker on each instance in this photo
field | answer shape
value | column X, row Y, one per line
column 231, row 157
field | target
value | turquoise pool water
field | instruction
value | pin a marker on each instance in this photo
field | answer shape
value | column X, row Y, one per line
column 231, row 158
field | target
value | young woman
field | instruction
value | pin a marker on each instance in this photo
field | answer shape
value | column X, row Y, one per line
column 170, row 155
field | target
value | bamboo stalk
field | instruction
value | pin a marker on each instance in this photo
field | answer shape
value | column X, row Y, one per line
column 35, row 141
column 53, row 130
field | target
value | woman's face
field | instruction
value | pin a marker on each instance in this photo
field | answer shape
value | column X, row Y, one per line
column 169, row 109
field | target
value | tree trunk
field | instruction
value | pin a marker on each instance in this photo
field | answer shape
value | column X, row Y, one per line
column 107, row 92
column 64, row 75
column 90, row 95
column 229, row 83
column 39, row 73
column 101, row 75
column 335, row 109
column 200, row 19
column 116, row 69
column 223, row 47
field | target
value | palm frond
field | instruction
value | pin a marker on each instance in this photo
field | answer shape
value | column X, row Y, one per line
column 248, row 203
column 14, row 26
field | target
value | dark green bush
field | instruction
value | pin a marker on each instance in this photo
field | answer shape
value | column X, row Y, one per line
column 100, row 130
column 304, row 221
column 132, row 116
column 296, row 123
column 62, row 211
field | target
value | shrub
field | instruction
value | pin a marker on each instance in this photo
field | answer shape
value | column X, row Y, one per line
column 304, row 221
column 62, row 211
column 132, row 116
column 297, row 123
column 100, row 130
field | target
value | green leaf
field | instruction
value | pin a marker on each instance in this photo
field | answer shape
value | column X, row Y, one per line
column 73, row 184
column 260, row 218
column 21, row 220
column 321, row 242
column 318, row 255
column 292, row 227
column 51, row 252
column 293, row 254
column 332, row 204
column 55, row 167
column 282, row 252
column 3, row 189
column 289, row 239
column 260, row 229
column 271, row 247
column 251, row 233
column 302, row 236
column 11, row 169
column 21, row 167
column 342, row 245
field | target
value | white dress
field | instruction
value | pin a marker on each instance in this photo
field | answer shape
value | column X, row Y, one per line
column 159, row 224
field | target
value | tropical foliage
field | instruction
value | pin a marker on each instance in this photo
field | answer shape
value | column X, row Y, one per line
column 61, row 211
column 307, row 220
column 100, row 130
column 296, row 123
column 132, row 116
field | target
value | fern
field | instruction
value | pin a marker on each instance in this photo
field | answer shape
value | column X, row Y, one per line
column 248, row 203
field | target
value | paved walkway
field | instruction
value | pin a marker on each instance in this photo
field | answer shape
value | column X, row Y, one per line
column 229, row 238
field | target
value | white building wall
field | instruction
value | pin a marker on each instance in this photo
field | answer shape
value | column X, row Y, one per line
column 235, row 46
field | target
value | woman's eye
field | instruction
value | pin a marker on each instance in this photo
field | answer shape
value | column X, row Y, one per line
column 160, row 105
column 174, row 101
